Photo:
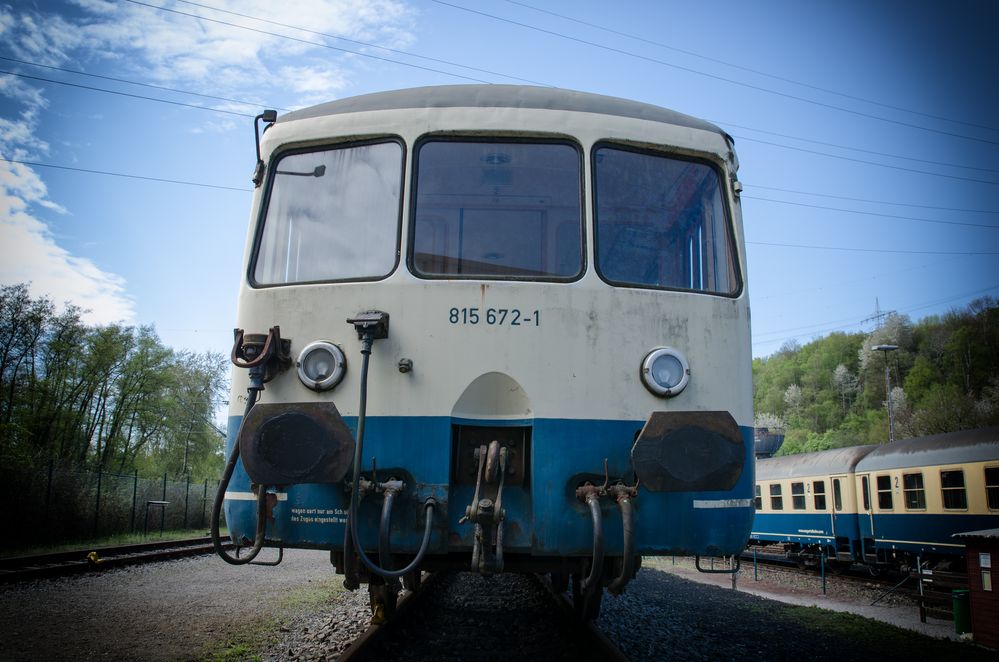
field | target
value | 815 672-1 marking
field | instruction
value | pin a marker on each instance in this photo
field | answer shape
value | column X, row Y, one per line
column 494, row 317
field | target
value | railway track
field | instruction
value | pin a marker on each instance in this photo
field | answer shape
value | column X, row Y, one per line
column 20, row 568
column 460, row 616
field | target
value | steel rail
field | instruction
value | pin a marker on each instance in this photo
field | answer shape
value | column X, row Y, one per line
column 20, row 568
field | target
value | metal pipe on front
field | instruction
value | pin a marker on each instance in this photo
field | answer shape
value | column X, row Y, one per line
column 592, row 498
column 372, row 326
column 616, row 587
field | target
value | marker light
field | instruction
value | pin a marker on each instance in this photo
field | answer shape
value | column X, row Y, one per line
column 321, row 365
column 665, row 371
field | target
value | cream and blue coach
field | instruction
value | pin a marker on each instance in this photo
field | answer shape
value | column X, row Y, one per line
column 895, row 504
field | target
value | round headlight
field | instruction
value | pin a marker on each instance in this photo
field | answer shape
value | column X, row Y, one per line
column 665, row 371
column 321, row 365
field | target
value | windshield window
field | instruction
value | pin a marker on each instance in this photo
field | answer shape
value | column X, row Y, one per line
column 332, row 215
column 661, row 223
column 498, row 210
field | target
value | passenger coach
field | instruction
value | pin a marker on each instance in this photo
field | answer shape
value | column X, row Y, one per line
column 887, row 505
column 492, row 327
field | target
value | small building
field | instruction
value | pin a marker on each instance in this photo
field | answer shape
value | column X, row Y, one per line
column 982, row 550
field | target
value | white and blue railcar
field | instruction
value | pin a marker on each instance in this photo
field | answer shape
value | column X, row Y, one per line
column 547, row 361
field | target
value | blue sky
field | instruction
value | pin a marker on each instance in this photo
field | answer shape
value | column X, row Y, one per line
column 867, row 130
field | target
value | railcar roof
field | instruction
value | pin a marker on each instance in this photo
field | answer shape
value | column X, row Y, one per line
column 978, row 445
column 500, row 96
column 822, row 463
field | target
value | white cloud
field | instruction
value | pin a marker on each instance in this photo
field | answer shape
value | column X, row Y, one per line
column 169, row 48
column 313, row 80
column 229, row 51
column 28, row 252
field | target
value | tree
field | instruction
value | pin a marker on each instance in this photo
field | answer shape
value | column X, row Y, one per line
column 109, row 397
column 846, row 385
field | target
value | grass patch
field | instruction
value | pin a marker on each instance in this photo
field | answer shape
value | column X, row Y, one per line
column 248, row 644
column 238, row 649
column 314, row 594
column 877, row 637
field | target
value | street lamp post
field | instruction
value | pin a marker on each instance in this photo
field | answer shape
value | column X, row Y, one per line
column 891, row 417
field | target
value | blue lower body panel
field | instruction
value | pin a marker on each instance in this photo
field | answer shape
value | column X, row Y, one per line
column 543, row 516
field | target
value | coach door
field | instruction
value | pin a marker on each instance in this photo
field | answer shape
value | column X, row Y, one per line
column 865, row 517
column 843, row 523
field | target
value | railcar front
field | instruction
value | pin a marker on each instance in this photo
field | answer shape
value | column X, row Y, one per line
column 497, row 328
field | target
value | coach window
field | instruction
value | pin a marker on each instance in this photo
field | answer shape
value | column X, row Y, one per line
column 495, row 209
column 776, row 500
column 661, row 223
column 867, row 492
column 819, row 493
column 837, row 495
column 915, row 495
column 759, row 497
column 952, row 484
column 332, row 214
column 798, row 496
column 992, row 487
column 884, row 492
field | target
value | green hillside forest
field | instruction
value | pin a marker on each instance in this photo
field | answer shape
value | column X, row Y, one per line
column 832, row 392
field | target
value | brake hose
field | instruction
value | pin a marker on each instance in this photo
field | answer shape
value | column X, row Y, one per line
column 258, row 541
column 366, row 342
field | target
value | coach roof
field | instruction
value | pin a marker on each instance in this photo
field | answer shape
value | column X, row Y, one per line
column 501, row 96
column 804, row 465
column 979, row 445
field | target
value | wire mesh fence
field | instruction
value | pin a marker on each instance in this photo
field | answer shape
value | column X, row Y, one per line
column 56, row 505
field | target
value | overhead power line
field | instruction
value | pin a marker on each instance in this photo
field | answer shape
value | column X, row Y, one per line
column 853, row 149
column 841, row 325
column 251, row 115
column 732, row 81
column 306, row 41
column 127, row 175
column 141, row 84
column 869, row 250
column 874, row 163
column 869, row 200
column 258, row 104
column 363, row 43
column 873, row 213
column 749, row 69
column 125, row 94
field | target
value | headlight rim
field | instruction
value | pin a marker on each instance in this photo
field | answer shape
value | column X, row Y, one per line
column 338, row 371
column 655, row 387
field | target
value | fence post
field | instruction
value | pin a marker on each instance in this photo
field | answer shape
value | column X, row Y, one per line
column 48, row 490
column 187, row 495
column 204, row 504
column 163, row 509
column 97, row 506
column 135, row 493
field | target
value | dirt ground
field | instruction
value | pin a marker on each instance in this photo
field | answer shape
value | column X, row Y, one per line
column 197, row 608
